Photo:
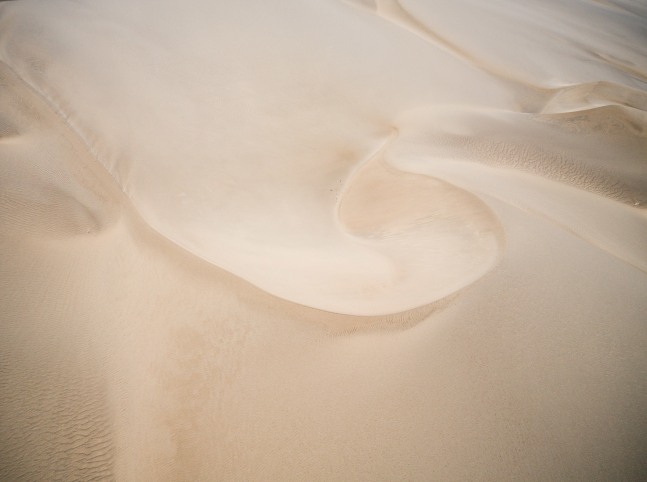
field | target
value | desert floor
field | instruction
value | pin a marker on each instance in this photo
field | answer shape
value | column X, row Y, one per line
column 304, row 240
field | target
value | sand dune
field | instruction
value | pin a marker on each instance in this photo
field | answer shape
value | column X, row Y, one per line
column 323, row 240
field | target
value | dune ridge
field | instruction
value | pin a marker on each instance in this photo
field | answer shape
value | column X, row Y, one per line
column 323, row 240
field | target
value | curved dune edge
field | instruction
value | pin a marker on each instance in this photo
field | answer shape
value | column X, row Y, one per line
column 414, row 240
column 440, row 237
column 400, row 241
column 436, row 239
column 520, row 210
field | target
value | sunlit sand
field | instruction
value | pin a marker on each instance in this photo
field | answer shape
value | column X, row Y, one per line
column 323, row 240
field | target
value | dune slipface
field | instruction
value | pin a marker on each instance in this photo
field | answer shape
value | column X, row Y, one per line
column 323, row 240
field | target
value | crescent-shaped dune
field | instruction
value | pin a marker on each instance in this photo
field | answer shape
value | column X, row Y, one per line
column 323, row 240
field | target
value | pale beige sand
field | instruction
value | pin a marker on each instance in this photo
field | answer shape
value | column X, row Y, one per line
column 323, row 240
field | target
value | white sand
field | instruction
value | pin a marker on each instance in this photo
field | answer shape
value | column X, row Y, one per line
column 323, row 240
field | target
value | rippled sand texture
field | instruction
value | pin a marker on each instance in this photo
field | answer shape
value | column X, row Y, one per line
column 323, row 240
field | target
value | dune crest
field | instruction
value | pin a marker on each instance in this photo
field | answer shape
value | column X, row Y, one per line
column 323, row 240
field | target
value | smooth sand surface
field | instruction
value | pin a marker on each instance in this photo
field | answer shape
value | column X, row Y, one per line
column 323, row 240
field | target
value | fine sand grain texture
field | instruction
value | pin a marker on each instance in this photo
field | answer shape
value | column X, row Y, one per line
column 345, row 240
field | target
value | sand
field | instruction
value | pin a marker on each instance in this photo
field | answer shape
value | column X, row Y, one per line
column 323, row 240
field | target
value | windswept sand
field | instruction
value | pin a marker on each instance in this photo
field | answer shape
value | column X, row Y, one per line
column 323, row 240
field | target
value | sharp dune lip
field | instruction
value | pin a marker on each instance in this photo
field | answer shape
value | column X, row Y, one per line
column 372, row 157
column 586, row 95
column 427, row 213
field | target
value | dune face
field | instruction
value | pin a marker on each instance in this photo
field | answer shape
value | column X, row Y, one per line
column 323, row 240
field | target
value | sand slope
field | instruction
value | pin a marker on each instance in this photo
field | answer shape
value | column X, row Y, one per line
column 323, row 240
